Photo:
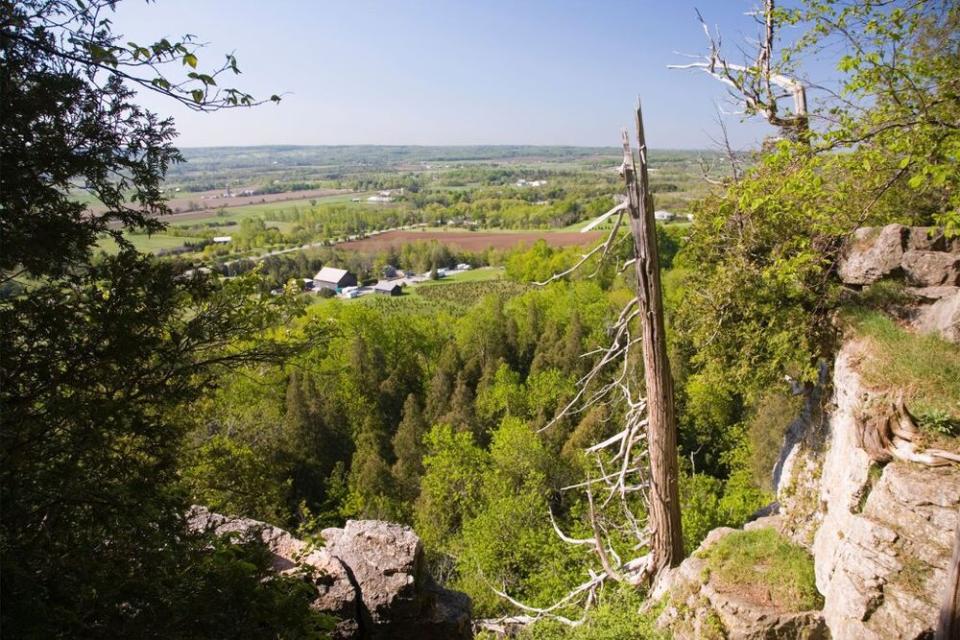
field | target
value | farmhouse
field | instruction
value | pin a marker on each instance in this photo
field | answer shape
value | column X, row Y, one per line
column 334, row 279
column 388, row 288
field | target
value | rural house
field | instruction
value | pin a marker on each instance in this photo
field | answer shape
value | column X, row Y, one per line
column 334, row 279
column 388, row 288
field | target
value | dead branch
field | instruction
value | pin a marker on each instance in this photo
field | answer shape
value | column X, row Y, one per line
column 754, row 84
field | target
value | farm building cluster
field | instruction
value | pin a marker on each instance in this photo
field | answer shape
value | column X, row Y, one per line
column 344, row 284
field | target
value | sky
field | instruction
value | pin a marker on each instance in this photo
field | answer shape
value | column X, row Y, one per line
column 451, row 72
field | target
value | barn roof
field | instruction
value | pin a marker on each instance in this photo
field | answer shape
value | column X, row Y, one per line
column 329, row 274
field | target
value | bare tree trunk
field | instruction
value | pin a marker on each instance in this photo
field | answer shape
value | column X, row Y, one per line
column 666, row 543
column 948, row 626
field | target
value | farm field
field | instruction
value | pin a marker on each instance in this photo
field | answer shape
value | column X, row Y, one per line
column 148, row 244
column 481, row 274
column 255, row 207
column 472, row 240
column 194, row 208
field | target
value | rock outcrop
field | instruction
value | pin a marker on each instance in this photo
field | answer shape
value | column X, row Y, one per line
column 880, row 532
column 370, row 574
column 398, row 598
column 882, row 550
column 923, row 255
column 699, row 609
column 924, row 259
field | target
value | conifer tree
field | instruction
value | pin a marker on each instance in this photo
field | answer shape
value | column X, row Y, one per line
column 441, row 385
column 371, row 482
column 408, row 449
column 461, row 415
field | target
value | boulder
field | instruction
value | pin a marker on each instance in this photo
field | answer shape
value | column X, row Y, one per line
column 398, row 597
column 942, row 316
column 931, row 239
column 931, row 268
column 370, row 574
column 873, row 254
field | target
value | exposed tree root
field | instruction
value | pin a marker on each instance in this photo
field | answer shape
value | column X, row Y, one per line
column 890, row 433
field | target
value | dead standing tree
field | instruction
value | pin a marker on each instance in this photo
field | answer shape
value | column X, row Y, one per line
column 644, row 453
column 666, row 542
column 759, row 85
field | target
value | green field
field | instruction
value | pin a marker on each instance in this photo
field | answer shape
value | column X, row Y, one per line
column 236, row 214
column 483, row 274
column 148, row 244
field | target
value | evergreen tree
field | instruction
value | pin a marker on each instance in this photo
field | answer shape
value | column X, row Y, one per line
column 308, row 453
column 371, row 482
column 461, row 414
column 573, row 347
column 408, row 449
column 441, row 385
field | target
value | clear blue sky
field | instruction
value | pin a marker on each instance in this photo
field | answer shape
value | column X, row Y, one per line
column 452, row 71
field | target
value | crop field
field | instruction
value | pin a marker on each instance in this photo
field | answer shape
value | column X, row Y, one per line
column 472, row 240
column 466, row 293
column 196, row 205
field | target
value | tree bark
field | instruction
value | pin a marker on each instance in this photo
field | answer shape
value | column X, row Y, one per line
column 666, row 539
column 948, row 625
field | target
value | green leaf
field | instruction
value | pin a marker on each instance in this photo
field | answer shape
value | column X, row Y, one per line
column 197, row 95
column 191, row 60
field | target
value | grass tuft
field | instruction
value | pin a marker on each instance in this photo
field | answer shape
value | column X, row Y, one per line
column 765, row 567
column 925, row 368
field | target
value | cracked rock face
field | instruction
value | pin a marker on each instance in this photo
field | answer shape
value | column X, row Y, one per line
column 882, row 550
column 370, row 574
column 923, row 255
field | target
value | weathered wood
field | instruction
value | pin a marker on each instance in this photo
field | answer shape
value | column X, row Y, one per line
column 755, row 83
column 948, row 625
column 666, row 541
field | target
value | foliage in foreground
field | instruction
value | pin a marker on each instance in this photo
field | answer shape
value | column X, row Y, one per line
column 101, row 357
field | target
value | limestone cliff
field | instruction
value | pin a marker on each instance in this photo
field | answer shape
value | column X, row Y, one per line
column 880, row 528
